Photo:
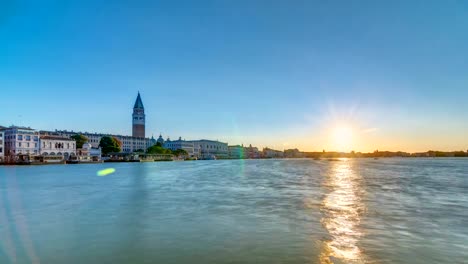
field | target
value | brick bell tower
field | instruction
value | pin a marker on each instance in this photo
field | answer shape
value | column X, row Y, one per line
column 138, row 118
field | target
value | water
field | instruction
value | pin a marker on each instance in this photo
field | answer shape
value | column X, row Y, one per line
column 238, row 211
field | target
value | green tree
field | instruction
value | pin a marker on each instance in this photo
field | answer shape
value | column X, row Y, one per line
column 118, row 142
column 80, row 140
column 158, row 150
column 109, row 144
column 180, row 152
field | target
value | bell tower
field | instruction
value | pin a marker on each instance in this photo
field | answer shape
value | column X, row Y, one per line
column 138, row 118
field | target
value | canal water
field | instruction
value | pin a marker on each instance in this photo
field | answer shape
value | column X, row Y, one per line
column 237, row 211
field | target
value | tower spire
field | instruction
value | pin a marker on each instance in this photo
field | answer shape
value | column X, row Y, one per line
column 138, row 118
column 138, row 102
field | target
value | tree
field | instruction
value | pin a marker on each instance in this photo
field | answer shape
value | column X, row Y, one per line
column 158, row 150
column 109, row 144
column 180, row 152
column 118, row 142
column 80, row 140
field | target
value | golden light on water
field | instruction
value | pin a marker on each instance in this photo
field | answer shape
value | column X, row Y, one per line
column 342, row 209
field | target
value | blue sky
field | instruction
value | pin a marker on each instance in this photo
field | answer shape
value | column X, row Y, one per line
column 271, row 73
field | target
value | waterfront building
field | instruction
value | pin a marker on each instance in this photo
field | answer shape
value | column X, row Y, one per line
column 2, row 147
column 88, row 153
column 136, row 142
column 251, row 152
column 129, row 144
column 20, row 140
column 138, row 118
column 210, row 149
column 57, row 146
column 293, row 153
column 160, row 140
column 271, row 153
column 236, row 152
column 192, row 149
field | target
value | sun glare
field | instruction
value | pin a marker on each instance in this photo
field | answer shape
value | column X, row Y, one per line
column 342, row 138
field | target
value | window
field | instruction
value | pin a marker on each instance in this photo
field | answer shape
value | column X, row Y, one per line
column 28, row 138
column 20, row 137
column 19, row 144
column 27, row 145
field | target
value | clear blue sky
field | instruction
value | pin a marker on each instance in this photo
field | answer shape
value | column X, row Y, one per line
column 271, row 73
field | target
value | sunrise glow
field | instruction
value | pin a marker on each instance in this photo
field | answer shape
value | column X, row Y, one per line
column 342, row 138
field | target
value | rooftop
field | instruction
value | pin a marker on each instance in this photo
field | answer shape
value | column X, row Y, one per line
column 57, row 138
column 17, row 127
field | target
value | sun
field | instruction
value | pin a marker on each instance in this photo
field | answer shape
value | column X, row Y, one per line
column 342, row 138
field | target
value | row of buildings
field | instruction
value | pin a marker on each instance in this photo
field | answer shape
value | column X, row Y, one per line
column 16, row 141
column 241, row 152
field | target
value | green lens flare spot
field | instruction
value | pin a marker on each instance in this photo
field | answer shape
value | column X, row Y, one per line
column 105, row 172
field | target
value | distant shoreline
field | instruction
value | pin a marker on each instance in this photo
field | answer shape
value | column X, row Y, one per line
column 305, row 158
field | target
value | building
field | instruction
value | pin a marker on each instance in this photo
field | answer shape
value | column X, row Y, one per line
column 87, row 153
column 236, row 152
column 2, row 148
column 210, row 149
column 138, row 118
column 293, row 153
column 129, row 144
column 271, row 153
column 20, row 140
column 136, row 142
column 160, row 140
column 57, row 146
column 252, row 152
column 192, row 149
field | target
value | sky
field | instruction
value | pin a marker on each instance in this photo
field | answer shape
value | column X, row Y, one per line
column 275, row 73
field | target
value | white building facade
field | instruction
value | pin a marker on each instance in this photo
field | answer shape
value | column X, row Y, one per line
column 57, row 146
column 88, row 153
column 236, row 152
column 192, row 149
column 2, row 147
column 129, row 144
column 271, row 153
column 210, row 149
column 20, row 140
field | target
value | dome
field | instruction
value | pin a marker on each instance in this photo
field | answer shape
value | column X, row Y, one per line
column 160, row 139
column 87, row 145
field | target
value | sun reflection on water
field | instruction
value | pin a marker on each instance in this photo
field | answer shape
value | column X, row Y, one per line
column 342, row 208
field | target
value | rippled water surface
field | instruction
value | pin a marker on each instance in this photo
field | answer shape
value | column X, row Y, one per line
column 238, row 211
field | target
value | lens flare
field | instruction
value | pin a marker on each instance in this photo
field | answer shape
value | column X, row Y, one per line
column 105, row 172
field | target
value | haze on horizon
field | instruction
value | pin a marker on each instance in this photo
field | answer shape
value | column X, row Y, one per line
column 334, row 75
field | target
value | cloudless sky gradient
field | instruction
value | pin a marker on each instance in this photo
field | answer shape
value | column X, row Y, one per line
column 271, row 73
